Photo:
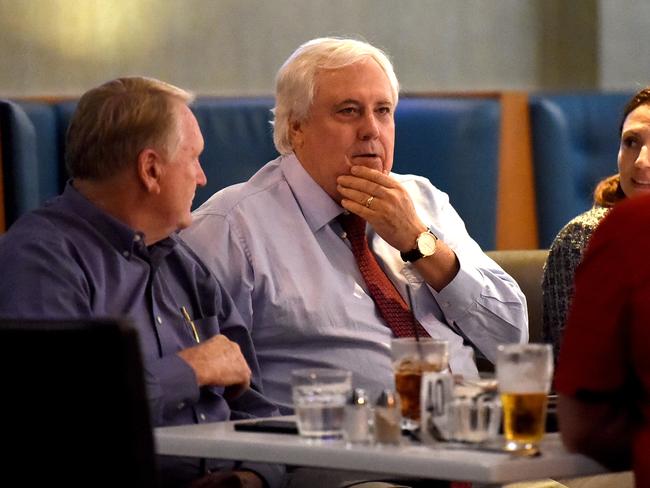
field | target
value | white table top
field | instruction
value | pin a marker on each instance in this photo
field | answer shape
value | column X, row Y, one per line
column 220, row 440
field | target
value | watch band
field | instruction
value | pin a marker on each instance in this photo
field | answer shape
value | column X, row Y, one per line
column 411, row 256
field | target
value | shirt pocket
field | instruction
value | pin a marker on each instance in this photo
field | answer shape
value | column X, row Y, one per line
column 205, row 327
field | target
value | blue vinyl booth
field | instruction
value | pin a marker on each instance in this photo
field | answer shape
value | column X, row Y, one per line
column 452, row 141
column 31, row 144
column 575, row 138
column 455, row 143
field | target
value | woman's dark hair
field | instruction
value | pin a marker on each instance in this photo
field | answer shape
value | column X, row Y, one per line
column 641, row 98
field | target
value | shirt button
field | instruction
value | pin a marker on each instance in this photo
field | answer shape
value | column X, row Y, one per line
column 159, row 320
column 137, row 238
column 344, row 235
column 181, row 406
column 126, row 254
column 202, row 416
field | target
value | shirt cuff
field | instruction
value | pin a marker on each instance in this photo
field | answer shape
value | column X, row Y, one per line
column 174, row 383
column 461, row 294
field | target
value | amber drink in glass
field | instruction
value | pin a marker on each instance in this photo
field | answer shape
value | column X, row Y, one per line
column 411, row 358
column 524, row 373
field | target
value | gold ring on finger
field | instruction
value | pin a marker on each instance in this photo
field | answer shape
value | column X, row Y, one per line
column 369, row 201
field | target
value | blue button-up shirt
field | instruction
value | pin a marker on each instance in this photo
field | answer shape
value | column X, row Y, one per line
column 70, row 259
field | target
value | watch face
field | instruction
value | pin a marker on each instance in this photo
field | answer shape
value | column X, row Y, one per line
column 427, row 243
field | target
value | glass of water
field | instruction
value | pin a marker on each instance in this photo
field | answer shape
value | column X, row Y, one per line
column 319, row 397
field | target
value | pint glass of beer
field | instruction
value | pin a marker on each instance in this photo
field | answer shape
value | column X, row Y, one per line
column 524, row 373
column 411, row 358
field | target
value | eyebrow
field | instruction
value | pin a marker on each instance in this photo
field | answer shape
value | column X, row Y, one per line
column 357, row 102
column 348, row 101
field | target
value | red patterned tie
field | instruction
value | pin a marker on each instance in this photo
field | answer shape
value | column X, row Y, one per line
column 392, row 306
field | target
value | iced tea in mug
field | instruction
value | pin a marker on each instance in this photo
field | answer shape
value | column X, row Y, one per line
column 411, row 358
column 524, row 373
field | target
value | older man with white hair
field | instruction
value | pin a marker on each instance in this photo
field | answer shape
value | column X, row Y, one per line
column 279, row 245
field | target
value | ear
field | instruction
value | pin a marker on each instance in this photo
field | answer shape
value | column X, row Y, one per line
column 150, row 170
column 296, row 134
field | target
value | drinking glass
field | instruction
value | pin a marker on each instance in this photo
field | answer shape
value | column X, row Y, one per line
column 411, row 358
column 451, row 414
column 524, row 373
column 319, row 397
column 474, row 420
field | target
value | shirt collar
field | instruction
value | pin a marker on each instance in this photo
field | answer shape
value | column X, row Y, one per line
column 316, row 205
column 124, row 239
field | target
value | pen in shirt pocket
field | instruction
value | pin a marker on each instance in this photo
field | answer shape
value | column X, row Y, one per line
column 190, row 324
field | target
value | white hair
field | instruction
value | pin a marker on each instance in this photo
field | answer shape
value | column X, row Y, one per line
column 295, row 81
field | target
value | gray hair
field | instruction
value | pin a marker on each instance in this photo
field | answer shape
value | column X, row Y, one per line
column 115, row 121
column 294, row 84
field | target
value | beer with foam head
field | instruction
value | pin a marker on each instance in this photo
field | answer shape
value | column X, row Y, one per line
column 524, row 373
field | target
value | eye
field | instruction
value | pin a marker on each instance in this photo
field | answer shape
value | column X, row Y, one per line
column 349, row 110
column 629, row 141
column 385, row 110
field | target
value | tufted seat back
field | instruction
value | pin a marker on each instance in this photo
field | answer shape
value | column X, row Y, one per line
column 452, row 141
column 575, row 139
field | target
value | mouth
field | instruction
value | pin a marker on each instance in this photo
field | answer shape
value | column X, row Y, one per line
column 365, row 156
column 641, row 183
column 368, row 159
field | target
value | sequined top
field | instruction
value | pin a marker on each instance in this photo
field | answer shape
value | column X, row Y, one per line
column 563, row 258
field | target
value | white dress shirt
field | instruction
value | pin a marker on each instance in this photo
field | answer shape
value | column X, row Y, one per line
column 275, row 244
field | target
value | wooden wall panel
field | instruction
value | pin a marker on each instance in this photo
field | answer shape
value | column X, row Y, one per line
column 516, row 208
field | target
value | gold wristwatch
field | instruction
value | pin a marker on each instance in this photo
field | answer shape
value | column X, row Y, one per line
column 425, row 245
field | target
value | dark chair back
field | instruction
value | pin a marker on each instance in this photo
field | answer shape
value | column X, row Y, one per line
column 74, row 410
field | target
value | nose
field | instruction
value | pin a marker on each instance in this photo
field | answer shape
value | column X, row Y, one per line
column 369, row 128
column 643, row 159
column 201, row 179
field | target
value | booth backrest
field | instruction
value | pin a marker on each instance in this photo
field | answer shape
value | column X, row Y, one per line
column 575, row 138
column 452, row 141
column 526, row 266
column 475, row 147
column 238, row 140
column 30, row 155
column 455, row 143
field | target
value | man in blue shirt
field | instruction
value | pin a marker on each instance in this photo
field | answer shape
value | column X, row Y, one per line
column 107, row 247
column 279, row 248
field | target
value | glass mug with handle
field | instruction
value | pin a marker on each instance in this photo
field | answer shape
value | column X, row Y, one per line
column 411, row 358
column 524, row 374
column 452, row 415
